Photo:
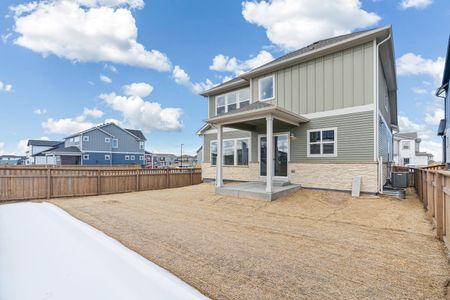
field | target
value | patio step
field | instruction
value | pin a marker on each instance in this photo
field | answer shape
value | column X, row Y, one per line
column 281, row 182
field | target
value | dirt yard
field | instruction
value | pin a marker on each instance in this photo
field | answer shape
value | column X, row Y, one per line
column 312, row 244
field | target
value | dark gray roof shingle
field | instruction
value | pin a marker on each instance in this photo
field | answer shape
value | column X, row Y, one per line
column 42, row 143
column 71, row 149
column 137, row 133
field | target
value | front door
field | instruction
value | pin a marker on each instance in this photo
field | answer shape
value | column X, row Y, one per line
column 280, row 153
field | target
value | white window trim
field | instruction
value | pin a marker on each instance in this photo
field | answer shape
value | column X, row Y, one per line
column 127, row 157
column 308, row 143
column 107, row 140
column 235, row 164
column 85, row 138
column 112, row 146
column 85, row 156
column 238, row 99
column 141, row 145
column 107, row 157
column 141, row 157
column 274, row 88
column 132, row 157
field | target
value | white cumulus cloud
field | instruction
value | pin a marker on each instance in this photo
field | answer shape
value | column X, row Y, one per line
column 182, row 78
column 5, row 87
column 419, row 91
column 92, row 112
column 85, row 31
column 40, row 111
column 2, row 148
column 140, row 89
column 414, row 64
column 292, row 24
column 105, row 79
column 224, row 63
column 434, row 117
column 148, row 116
column 73, row 124
column 419, row 4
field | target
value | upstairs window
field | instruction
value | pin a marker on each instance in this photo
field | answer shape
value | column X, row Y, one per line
column 244, row 97
column 76, row 139
column 322, row 143
column 115, row 143
column 266, row 88
column 406, row 145
column 220, row 104
column 232, row 101
column 141, row 145
column 107, row 140
column 85, row 138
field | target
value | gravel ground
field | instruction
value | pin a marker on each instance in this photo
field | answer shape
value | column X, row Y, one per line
column 311, row 244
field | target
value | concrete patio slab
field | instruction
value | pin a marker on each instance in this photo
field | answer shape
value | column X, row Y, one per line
column 257, row 190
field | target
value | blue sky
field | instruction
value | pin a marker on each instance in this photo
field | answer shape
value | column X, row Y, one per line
column 155, row 55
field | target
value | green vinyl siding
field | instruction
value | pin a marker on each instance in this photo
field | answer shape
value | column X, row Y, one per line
column 354, row 138
column 339, row 80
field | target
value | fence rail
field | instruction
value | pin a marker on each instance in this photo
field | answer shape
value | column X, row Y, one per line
column 432, row 184
column 23, row 183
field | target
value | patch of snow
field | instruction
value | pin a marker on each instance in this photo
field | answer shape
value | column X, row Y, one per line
column 47, row 254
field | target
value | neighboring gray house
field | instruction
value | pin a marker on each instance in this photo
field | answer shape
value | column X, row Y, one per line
column 324, row 114
column 444, row 125
column 106, row 144
column 160, row 160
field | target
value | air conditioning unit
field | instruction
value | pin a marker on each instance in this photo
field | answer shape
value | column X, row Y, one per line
column 400, row 179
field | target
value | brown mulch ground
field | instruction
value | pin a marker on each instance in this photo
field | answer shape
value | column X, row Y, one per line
column 312, row 244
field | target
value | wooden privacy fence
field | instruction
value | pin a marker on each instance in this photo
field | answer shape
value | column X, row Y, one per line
column 433, row 187
column 23, row 183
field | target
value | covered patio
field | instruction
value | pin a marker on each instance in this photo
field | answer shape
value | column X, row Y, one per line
column 261, row 117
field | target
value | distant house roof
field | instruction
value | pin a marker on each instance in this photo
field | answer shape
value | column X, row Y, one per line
column 424, row 154
column 42, row 143
column 406, row 135
column 11, row 156
column 62, row 150
column 137, row 133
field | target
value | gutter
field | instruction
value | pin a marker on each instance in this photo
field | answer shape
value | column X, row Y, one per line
column 377, row 125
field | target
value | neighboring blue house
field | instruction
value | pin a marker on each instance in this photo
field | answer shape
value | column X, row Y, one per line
column 443, row 92
column 107, row 144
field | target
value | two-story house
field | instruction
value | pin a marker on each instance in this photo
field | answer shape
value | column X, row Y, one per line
column 444, row 125
column 318, row 117
column 407, row 150
column 106, row 144
column 35, row 149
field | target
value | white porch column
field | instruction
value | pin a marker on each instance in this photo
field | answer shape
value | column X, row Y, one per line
column 219, row 163
column 269, row 151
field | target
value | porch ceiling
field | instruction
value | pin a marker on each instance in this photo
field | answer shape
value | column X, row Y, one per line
column 254, row 116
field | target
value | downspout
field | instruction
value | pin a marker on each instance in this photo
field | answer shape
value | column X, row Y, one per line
column 377, row 125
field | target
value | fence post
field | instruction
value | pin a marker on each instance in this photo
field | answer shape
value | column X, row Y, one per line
column 167, row 178
column 439, row 206
column 49, row 183
column 137, row 180
column 192, row 176
column 99, row 182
